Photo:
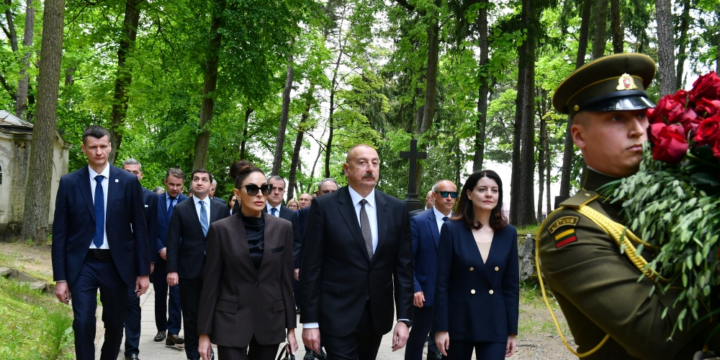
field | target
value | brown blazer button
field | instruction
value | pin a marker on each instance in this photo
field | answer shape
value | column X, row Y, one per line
column 497, row 268
column 472, row 269
column 472, row 291
column 491, row 292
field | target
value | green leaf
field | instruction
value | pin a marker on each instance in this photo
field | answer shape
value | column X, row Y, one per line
column 704, row 179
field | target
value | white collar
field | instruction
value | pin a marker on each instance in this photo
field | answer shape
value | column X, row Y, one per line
column 356, row 197
column 206, row 200
column 105, row 173
column 273, row 207
column 439, row 215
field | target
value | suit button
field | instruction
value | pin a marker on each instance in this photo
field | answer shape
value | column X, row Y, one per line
column 497, row 268
column 472, row 291
column 491, row 292
column 472, row 269
column 258, row 283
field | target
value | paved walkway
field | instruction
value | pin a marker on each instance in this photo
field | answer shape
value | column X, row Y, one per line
column 151, row 350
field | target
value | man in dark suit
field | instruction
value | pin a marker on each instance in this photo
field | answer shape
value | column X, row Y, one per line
column 212, row 192
column 187, row 233
column 429, row 202
column 425, row 237
column 357, row 251
column 132, row 321
column 99, row 241
column 275, row 207
column 168, row 315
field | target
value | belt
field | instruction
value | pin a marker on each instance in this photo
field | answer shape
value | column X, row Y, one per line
column 98, row 254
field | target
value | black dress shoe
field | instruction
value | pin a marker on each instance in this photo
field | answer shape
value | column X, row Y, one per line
column 160, row 336
column 310, row 355
column 434, row 356
column 132, row 357
column 173, row 340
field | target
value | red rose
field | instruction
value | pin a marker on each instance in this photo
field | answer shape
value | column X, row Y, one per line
column 706, row 107
column 706, row 86
column 716, row 150
column 667, row 110
column 680, row 96
column 669, row 144
column 708, row 131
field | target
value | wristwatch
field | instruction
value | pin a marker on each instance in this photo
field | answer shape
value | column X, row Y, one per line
column 406, row 322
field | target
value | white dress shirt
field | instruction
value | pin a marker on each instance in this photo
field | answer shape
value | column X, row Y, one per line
column 439, row 218
column 270, row 207
column 206, row 200
column 93, row 184
column 371, row 211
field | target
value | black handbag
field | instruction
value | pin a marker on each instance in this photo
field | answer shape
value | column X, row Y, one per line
column 285, row 354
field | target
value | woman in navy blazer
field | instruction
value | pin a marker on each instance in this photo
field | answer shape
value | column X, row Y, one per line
column 478, row 283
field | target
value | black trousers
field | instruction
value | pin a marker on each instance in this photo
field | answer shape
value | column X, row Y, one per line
column 167, row 311
column 463, row 350
column 190, row 290
column 253, row 351
column 422, row 322
column 362, row 344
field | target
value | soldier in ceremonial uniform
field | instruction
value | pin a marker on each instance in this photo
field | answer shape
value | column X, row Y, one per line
column 595, row 284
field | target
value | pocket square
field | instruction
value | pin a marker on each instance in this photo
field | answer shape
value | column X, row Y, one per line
column 277, row 249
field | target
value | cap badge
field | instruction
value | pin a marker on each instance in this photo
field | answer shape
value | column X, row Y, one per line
column 625, row 82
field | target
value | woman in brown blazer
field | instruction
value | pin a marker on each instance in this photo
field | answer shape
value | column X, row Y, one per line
column 247, row 299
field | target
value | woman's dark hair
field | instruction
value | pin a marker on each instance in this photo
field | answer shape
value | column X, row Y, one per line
column 465, row 211
column 245, row 171
column 236, row 166
column 230, row 201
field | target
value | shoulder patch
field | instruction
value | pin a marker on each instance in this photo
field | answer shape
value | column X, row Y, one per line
column 563, row 221
column 565, row 237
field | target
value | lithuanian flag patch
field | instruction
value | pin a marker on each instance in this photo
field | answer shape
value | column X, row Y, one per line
column 565, row 237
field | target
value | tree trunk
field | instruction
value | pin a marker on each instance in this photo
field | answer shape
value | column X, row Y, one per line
column 277, row 160
column 548, row 166
column 331, row 125
column 599, row 40
column 515, row 191
column 526, row 210
column 40, row 169
column 248, row 111
column 616, row 24
column 123, row 76
column 569, row 149
column 484, row 87
column 21, row 104
column 666, row 46
column 11, row 34
column 541, row 170
column 209, row 86
column 295, row 162
column 684, row 24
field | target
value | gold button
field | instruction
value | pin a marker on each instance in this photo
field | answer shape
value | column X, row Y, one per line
column 472, row 291
column 472, row 269
column 587, row 194
column 491, row 292
column 497, row 268
column 576, row 108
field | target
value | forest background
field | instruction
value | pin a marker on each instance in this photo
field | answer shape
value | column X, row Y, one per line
column 292, row 84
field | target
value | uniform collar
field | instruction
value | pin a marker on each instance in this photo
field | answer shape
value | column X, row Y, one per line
column 595, row 179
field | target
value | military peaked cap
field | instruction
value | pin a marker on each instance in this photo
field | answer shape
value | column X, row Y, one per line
column 611, row 83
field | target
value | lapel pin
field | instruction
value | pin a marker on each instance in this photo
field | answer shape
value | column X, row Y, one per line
column 116, row 180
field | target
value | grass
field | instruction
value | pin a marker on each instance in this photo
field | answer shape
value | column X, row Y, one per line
column 534, row 319
column 34, row 325
column 532, row 229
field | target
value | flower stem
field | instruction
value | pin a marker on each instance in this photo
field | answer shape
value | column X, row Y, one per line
column 693, row 157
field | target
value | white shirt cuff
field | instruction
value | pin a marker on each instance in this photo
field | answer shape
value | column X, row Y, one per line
column 311, row 326
column 399, row 320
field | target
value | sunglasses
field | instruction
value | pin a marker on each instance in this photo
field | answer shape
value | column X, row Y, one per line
column 452, row 194
column 253, row 189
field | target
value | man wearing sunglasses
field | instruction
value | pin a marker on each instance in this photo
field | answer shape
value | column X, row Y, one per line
column 275, row 207
column 425, row 237
column 186, row 237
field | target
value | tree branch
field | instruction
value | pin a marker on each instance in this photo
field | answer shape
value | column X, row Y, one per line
column 7, row 87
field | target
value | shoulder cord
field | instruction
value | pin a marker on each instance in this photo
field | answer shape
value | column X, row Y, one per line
column 615, row 231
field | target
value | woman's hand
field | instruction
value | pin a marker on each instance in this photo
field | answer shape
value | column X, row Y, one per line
column 292, row 342
column 511, row 345
column 204, row 347
column 442, row 340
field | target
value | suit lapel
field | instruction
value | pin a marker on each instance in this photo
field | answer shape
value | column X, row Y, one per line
column 113, row 186
column 243, row 251
column 192, row 211
column 84, row 185
column 382, row 214
column 347, row 211
column 432, row 223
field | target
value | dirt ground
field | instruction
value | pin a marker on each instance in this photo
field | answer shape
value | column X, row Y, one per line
column 537, row 338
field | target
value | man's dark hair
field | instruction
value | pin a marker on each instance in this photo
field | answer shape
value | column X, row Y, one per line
column 95, row 131
column 176, row 172
column 275, row 177
column 201, row 171
column 465, row 211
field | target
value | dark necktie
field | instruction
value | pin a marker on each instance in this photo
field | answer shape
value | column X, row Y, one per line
column 445, row 219
column 365, row 226
column 273, row 211
column 172, row 206
column 98, row 239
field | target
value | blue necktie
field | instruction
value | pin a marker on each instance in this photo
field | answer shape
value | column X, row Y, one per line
column 203, row 218
column 273, row 211
column 171, row 207
column 445, row 219
column 99, row 212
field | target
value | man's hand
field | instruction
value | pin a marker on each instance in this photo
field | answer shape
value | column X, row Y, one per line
column 141, row 284
column 297, row 274
column 442, row 340
column 419, row 299
column 163, row 253
column 62, row 292
column 204, row 347
column 311, row 339
column 172, row 279
column 152, row 267
column 400, row 336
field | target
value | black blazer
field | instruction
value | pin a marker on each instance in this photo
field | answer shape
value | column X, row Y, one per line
column 291, row 216
column 475, row 300
column 186, row 241
column 150, row 200
column 74, row 225
column 336, row 274
column 239, row 302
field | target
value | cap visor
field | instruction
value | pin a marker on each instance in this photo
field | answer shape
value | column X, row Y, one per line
column 621, row 104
